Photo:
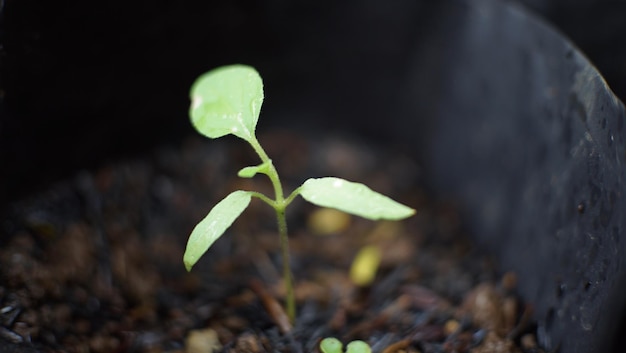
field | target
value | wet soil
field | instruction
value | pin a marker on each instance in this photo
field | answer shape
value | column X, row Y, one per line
column 95, row 263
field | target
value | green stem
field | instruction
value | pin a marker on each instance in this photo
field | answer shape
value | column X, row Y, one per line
column 292, row 196
column 284, row 244
column 263, row 198
column 279, row 205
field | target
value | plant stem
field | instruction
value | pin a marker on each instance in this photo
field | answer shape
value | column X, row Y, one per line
column 284, row 244
column 280, row 205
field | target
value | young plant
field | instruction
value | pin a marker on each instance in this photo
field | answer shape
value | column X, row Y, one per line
column 333, row 345
column 227, row 100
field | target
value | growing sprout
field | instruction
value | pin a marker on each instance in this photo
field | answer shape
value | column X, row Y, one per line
column 228, row 100
column 333, row 345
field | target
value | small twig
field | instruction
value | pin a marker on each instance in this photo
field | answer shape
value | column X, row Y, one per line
column 399, row 305
column 264, row 265
column 397, row 346
column 272, row 306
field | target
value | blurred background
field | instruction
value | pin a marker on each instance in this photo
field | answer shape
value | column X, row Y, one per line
column 84, row 82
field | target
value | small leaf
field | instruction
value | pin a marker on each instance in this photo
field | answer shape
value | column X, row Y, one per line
column 358, row 346
column 354, row 198
column 227, row 100
column 214, row 225
column 331, row 345
column 249, row 172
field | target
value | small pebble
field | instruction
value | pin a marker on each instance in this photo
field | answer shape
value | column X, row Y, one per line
column 495, row 344
column 484, row 304
column 451, row 326
column 528, row 341
column 202, row 341
column 248, row 342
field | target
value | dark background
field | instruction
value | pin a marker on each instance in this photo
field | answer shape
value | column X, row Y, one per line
column 83, row 83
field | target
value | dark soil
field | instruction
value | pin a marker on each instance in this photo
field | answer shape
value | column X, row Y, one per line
column 95, row 264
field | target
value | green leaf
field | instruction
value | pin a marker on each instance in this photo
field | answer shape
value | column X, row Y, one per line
column 249, row 172
column 331, row 345
column 227, row 100
column 358, row 346
column 354, row 198
column 214, row 225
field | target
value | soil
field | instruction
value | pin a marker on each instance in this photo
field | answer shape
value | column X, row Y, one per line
column 95, row 263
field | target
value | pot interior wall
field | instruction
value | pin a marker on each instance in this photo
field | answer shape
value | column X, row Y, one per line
column 527, row 135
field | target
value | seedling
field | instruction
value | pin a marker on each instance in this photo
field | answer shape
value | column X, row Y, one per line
column 228, row 100
column 333, row 345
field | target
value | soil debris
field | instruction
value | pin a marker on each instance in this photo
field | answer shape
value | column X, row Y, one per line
column 95, row 264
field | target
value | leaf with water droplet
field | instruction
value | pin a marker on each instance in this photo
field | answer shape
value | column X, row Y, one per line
column 353, row 198
column 227, row 100
column 214, row 225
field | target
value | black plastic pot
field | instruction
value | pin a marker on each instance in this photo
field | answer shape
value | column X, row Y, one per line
column 528, row 136
column 508, row 117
